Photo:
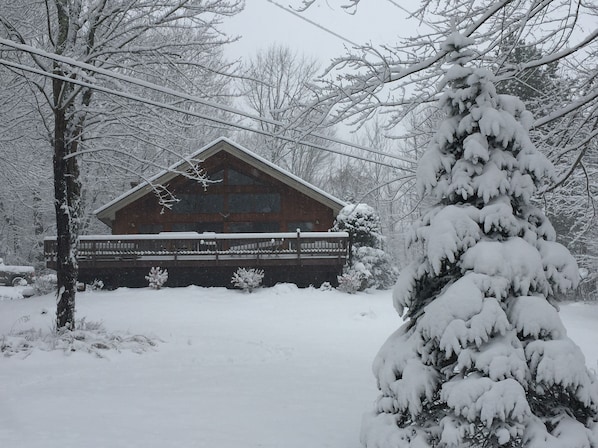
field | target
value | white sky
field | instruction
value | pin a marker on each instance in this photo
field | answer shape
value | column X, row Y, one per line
column 262, row 23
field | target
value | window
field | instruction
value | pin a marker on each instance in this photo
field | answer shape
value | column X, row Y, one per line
column 303, row 226
column 254, row 203
column 239, row 203
column 198, row 203
column 186, row 203
column 253, row 227
column 237, row 178
column 266, row 203
column 211, row 203
column 217, row 176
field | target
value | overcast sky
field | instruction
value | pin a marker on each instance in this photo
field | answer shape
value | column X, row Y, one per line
column 263, row 23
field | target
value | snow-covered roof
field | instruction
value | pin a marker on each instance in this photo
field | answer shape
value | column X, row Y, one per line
column 107, row 212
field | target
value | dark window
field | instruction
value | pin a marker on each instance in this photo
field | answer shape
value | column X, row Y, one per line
column 266, row 203
column 217, row 176
column 187, row 203
column 239, row 203
column 250, row 227
column 211, row 203
column 236, row 178
column 254, row 203
column 198, row 203
column 304, row 226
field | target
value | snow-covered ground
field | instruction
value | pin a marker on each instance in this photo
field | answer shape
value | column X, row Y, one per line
column 281, row 367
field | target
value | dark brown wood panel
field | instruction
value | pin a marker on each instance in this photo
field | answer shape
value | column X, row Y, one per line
column 236, row 204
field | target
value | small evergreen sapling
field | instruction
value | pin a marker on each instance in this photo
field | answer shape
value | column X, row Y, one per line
column 157, row 277
column 483, row 359
column 247, row 279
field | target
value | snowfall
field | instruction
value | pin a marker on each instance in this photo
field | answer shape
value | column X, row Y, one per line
column 281, row 367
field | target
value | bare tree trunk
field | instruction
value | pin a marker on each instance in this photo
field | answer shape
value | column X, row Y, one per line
column 66, row 197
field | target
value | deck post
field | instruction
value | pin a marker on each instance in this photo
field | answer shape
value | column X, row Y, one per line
column 298, row 244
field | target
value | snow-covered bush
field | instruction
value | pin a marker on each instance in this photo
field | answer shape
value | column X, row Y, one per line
column 87, row 337
column 483, row 359
column 369, row 266
column 326, row 286
column 96, row 285
column 353, row 279
column 45, row 284
column 379, row 269
column 247, row 279
column 157, row 277
column 362, row 223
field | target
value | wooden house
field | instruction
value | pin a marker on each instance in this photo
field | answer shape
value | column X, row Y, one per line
column 251, row 214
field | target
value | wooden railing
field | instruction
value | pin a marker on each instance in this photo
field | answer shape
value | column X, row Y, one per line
column 175, row 246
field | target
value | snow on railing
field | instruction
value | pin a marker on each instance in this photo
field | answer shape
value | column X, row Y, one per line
column 180, row 244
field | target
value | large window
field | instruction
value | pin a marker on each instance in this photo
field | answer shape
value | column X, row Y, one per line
column 199, row 203
column 254, row 203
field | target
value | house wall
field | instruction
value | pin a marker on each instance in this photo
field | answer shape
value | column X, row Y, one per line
column 245, row 200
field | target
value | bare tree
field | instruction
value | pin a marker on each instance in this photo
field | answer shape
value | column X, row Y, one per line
column 147, row 39
column 278, row 84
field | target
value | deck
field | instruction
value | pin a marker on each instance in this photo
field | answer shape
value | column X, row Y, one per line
column 209, row 258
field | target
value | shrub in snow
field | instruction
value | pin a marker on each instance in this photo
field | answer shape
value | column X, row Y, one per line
column 379, row 269
column 98, row 285
column 483, row 359
column 369, row 266
column 353, row 279
column 361, row 222
column 157, row 277
column 326, row 286
column 86, row 336
column 45, row 284
column 247, row 279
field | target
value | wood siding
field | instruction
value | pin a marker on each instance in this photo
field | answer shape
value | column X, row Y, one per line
column 244, row 200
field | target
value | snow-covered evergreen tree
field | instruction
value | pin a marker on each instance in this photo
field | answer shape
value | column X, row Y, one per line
column 370, row 266
column 483, row 359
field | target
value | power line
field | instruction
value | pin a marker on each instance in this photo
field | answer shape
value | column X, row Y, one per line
column 168, row 91
column 183, row 111
column 311, row 22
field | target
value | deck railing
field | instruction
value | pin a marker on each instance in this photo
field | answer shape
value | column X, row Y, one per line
column 94, row 249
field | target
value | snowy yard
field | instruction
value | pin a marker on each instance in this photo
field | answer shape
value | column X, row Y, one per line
column 281, row 367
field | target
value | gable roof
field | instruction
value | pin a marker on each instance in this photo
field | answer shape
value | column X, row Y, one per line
column 107, row 213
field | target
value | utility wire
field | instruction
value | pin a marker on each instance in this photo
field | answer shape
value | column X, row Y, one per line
column 183, row 111
column 168, row 91
column 311, row 22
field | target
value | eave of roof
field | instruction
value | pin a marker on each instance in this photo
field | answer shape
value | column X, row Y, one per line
column 107, row 213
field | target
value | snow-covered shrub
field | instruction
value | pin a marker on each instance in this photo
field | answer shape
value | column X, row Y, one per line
column 87, row 336
column 362, row 223
column 353, row 279
column 378, row 267
column 369, row 265
column 157, row 277
column 45, row 284
column 96, row 285
column 326, row 286
column 247, row 279
column 483, row 359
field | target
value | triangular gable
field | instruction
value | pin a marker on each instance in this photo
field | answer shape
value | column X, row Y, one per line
column 107, row 213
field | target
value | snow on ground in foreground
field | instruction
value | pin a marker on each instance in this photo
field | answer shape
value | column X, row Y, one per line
column 281, row 367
